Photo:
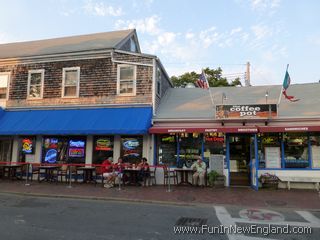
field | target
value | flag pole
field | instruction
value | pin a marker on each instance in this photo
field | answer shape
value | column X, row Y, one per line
column 211, row 97
column 280, row 96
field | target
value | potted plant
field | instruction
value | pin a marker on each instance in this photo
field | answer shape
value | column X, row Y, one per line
column 215, row 179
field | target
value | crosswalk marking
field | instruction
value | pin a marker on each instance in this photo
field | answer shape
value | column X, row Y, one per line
column 226, row 220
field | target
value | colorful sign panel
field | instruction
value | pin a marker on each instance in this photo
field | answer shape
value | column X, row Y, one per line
column 51, row 143
column 103, row 144
column 27, row 146
column 246, row 111
column 76, row 152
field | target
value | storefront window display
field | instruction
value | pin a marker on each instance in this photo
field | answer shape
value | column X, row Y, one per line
column 167, row 149
column 63, row 150
column 213, row 144
column 131, row 148
column 27, row 147
column 190, row 148
column 5, row 149
column 269, row 150
column 102, row 148
column 315, row 149
column 296, row 150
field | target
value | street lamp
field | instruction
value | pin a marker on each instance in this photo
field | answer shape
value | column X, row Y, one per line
column 267, row 94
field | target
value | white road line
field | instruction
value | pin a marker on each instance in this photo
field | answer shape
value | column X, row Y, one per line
column 309, row 217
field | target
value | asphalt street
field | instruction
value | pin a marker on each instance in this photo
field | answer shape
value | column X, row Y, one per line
column 32, row 218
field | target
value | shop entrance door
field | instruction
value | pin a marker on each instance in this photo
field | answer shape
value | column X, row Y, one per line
column 5, row 150
column 240, row 156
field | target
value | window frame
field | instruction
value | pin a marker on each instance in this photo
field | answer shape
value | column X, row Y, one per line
column 64, row 70
column 8, row 84
column 134, row 80
column 29, row 83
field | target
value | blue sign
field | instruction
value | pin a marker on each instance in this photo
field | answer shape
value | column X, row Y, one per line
column 131, row 144
column 51, row 156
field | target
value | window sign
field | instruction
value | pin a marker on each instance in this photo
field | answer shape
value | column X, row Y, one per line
column 131, row 149
column 51, row 156
column 103, row 144
column 27, row 145
column 273, row 157
column 79, row 144
column 76, row 152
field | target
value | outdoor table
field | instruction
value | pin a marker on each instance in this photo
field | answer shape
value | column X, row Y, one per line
column 184, row 175
column 11, row 169
column 87, row 174
column 133, row 172
column 49, row 175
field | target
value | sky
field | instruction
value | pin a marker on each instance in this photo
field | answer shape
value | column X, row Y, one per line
column 188, row 35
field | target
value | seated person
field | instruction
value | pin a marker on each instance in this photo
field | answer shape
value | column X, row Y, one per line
column 200, row 170
column 144, row 170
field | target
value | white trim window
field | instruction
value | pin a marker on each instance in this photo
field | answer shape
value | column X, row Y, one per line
column 4, row 83
column 126, row 80
column 35, row 84
column 70, row 82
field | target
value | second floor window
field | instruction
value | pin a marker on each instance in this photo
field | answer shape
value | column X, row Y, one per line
column 126, row 84
column 4, row 80
column 35, row 83
column 70, row 79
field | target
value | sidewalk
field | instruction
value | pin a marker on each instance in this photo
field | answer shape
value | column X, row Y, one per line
column 246, row 197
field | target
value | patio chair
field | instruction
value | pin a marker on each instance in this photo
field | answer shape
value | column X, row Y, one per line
column 152, row 176
column 169, row 174
column 63, row 172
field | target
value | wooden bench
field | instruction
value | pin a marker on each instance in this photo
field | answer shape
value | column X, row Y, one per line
column 314, row 180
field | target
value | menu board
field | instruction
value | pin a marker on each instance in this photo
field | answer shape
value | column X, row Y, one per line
column 315, row 156
column 273, row 157
column 216, row 163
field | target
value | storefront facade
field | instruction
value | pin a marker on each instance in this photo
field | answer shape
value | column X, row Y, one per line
column 79, row 106
column 249, row 134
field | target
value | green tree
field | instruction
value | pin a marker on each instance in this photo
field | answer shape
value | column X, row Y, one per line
column 214, row 77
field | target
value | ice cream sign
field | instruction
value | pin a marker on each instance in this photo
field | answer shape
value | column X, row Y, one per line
column 246, row 111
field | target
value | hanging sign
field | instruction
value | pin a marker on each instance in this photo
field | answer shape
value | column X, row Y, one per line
column 246, row 111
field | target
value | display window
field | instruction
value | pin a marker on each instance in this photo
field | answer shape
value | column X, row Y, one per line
column 296, row 150
column 102, row 148
column 190, row 148
column 131, row 148
column 214, row 143
column 269, row 150
column 167, row 149
column 315, row 149
column 63, row 149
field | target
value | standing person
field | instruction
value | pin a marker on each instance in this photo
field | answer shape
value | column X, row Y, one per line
column 144, row 171
column 118, row 169
column 200, row 171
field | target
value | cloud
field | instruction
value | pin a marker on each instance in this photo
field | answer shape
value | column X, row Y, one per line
column 99, row 8
column 5, row 38
column 261, row 31
column 264, row 5
column 147, row 25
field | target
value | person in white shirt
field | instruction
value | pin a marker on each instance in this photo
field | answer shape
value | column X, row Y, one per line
column 200, row 171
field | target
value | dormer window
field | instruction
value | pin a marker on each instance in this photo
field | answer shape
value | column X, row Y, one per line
column 35, row 84
column 133, row 47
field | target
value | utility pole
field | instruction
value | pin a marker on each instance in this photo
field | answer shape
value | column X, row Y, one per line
column 247, row 81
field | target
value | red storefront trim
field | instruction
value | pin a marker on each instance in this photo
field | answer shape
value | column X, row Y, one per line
column 290, row 129
column 203, row 130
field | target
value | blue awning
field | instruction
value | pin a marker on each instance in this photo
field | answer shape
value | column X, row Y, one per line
column 135, row 120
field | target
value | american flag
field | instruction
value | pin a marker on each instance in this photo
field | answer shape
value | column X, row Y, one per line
column 202, row 82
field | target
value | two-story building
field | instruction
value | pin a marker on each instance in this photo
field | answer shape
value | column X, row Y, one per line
column 78, row 99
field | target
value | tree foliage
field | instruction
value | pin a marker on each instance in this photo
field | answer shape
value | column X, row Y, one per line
column 214, row 77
